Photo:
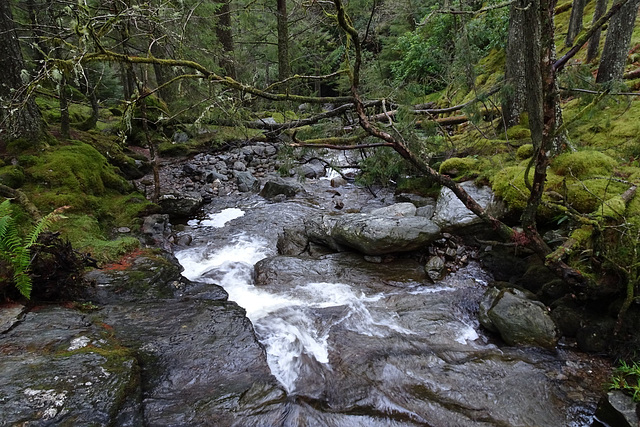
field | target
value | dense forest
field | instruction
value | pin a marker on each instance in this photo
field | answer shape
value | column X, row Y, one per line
column 538, row 99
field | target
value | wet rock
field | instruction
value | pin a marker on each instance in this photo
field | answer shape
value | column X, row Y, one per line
column 375, row 235
column 312, row 169
column 337, row 268
column 396, row 210
column 416, row 200
column 293, row 240
column 156, row 230
column 451, row 214
column 618, row 409
column 318, row 229
column 247, row 182
column 180, row 205
column 9, row 317
column 275, row 187
column 521, row 321
column 426, row 211
column 434, row 268
column 338, row 181
column 152, row 275
column 59, row 369
column 213, row 175
column 535, row 277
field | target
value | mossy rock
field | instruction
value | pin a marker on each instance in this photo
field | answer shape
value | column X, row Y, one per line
column 171, row 149
column 457, row 166
column 587, row 195
column 519, row 132
column 12, row 176
column 584, row 164
column 524, row 152
column 509, row 185
column 613, row 208
column 77, row 167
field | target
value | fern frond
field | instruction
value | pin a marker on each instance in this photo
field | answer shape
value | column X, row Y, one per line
column 43, row 224
column 23, row 283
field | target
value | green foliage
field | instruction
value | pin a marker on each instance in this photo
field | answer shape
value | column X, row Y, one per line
column 626, row 378
column 384, row 167
column 15, row 250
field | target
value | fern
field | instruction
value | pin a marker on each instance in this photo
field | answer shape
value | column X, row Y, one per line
column 15, row 251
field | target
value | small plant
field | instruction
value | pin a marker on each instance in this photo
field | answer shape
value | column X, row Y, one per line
column 15, row 250
column 626, row 378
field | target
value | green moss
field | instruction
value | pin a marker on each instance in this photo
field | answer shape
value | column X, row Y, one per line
column 76, row 168
column 459, row 167
column 524, row 152
column 583, row 164
column 422, row 186
column 12, row 176
column 613, row 208
column 171, row 149
column 587, row 195
column 509, row 185
column 519, row 132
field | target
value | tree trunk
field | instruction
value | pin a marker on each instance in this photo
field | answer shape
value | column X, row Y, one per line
column 225, row 37
column 575, row 21
column 65, row 128
column 163, row 74
column 19, row 114
column 284, row 69
column 614, row 53
column 594, row 42
column 514, row 94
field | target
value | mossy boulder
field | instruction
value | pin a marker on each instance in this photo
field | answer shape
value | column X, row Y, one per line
column 456, row 166
column 519, row 132
column 583, row 164
column 524, row 152
column 587, row 195
column 12, row 176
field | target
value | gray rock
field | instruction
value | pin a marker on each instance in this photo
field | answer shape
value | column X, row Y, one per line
column 318, row 229
column 156, row 230
column 293, row 240
column 618, row 409
column 338, row 181
column 275, row 187
column 247, row 182
column 239, row 166
column 180, row 138
column 374, row 235
column 179, row 205
column 396, row 210
column 521, row 321
column 451, row 214
column 426, row 211
column 418, row 201
column 312, row 169
column 434, row 268
column 213, row 175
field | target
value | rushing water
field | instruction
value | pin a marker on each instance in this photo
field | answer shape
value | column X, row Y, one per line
column 377, row 352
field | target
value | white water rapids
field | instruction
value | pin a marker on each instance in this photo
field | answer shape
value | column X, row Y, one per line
column 286, row 320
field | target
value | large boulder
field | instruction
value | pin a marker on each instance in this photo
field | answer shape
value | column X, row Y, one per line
column 451, row 214
column 518, row 319
column 377, row 235
column 275, row 187
column 180, row 205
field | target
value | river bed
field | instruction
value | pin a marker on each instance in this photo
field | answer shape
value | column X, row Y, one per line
column 354, row 343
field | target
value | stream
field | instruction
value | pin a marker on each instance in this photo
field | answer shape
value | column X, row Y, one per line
column 356, row 343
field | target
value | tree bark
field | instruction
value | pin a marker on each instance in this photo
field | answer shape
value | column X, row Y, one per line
column 614, row 53
column 594, row 42
column 65, row 127
column 284, row 68
column 225, row 37
column 575, row 21
column 514, row 92
column 19, row 114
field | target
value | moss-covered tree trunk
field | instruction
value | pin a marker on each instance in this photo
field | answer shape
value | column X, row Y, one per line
column 614, row 53
column 19, row 114
column 225, row 37
column 284, row 69
column 594, row 42
column 513, row 99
